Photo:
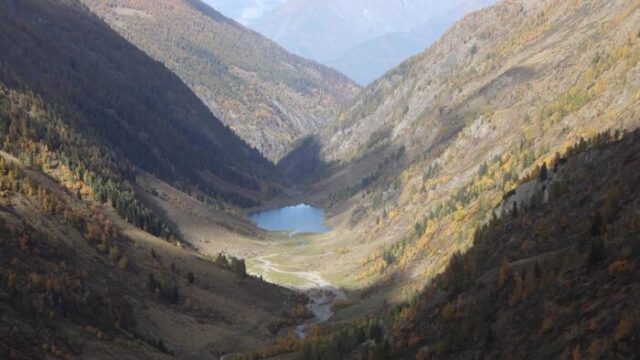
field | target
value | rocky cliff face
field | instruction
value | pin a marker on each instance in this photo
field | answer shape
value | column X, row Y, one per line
column 479, row 66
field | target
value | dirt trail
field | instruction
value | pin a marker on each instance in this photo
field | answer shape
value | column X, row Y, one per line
column 321, row 293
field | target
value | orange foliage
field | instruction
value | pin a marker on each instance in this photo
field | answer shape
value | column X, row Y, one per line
column 619, row 266
column 576, row 354
column 423, row 353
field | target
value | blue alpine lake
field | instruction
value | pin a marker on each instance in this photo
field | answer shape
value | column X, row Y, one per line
column 301, row 218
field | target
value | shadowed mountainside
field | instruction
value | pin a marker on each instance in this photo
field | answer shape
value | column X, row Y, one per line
column 84, row 116
column 116, row 96
column 269, row 97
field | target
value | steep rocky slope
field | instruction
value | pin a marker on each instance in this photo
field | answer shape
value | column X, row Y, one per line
column 267, row 96
column 425, row 152
column 553, row 276
column 479, row 69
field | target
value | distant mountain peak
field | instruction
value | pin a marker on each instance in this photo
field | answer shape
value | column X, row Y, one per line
column 329, row 31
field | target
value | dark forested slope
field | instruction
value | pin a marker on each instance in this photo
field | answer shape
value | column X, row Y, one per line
column 78, row 282
column 83, row 113
column 553, row 277
column 114, row 95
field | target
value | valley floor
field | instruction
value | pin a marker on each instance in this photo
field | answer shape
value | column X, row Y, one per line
column 320, row 265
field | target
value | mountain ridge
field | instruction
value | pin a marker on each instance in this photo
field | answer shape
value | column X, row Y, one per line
column 353, row 26
column 267, row 96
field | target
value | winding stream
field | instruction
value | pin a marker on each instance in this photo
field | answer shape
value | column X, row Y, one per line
column 300, row 218
column 321, row 293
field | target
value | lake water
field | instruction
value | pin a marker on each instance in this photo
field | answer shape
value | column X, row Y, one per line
column 294, row 219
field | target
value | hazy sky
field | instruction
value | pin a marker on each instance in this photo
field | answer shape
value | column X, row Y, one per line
column 245, row 11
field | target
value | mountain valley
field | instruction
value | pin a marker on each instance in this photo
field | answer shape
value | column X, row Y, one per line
column 481, row 198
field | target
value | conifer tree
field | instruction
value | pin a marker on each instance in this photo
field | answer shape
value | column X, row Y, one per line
column 597, row 225
column 544, row 173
